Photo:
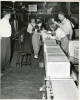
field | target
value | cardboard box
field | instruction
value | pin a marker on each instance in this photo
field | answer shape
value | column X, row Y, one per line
column 74, row 49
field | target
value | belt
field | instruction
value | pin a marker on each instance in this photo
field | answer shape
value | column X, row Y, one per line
column 5, row 37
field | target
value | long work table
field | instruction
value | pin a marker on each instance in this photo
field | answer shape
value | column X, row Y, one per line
column 59, row 83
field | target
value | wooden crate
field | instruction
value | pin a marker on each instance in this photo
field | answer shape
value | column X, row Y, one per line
column 50, row 42
column 74, row 49
column 57, row 64
column 57, row 69
column 57, row 58
column 54, row 50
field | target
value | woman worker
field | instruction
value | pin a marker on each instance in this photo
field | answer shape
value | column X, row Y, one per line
column 63, row 41
column 36, row 38
column 61, row 37
column 30, row 27
column 50, row 22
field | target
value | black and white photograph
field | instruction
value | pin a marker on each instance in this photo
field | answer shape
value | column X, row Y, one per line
column 39, row 50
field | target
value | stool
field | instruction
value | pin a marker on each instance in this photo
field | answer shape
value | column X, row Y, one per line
column 22, row 55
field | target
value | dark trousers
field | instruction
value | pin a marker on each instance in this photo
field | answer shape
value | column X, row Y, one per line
column 68, row 36
column 64, row 44
column 5, row 52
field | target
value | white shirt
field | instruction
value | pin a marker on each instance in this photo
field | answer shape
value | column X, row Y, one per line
column 60, row 34
column 30, row 27
column 5, row 28
column 66, row 26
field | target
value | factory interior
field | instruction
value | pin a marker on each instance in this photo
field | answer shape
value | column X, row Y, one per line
column 39, row 67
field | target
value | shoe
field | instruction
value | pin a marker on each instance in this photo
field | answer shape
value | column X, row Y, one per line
column 36, row 56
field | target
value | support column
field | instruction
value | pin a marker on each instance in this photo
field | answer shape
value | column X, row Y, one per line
column 68, row 7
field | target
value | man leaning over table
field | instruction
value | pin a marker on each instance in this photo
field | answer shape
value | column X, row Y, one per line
column 65, row 24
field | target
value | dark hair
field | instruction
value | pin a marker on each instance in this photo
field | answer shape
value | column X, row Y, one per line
column 36, row 27
column 50, row 22
column 39, row 18
column 61, row 13
column 55, row 27
column 38, row 22
column 6, row 12
column 32, row 18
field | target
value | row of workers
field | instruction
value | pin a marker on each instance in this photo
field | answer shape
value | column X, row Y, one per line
column 63, row 31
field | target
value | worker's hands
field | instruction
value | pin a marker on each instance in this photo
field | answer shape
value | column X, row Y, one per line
column 51, row 28
column 70, row 39
column 36, row 30
column 53, row 33
column 55, row 22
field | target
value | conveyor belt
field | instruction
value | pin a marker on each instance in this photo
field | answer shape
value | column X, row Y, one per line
column 60, row 86
column 62, row 90
column 54, row 50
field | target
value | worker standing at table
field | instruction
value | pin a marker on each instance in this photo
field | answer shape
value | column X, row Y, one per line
column 31, row 25
column 50, row 22
column 36, row 38
column 5, row 33
column 65, row 24
column 61, row 37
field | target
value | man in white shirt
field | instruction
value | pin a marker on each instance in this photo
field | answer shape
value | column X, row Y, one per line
column 66, row 25
column 31, row 25
column 5, row 33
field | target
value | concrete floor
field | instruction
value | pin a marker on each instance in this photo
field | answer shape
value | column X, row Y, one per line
column 22, row 83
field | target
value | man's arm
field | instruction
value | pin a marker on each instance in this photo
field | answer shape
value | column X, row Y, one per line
column 70, row 30
column 71, row 33
column 59, row 24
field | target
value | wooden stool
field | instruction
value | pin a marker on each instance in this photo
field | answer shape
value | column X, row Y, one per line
column 22, row 55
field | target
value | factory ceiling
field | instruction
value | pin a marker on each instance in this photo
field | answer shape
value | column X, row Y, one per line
column 19, row 6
